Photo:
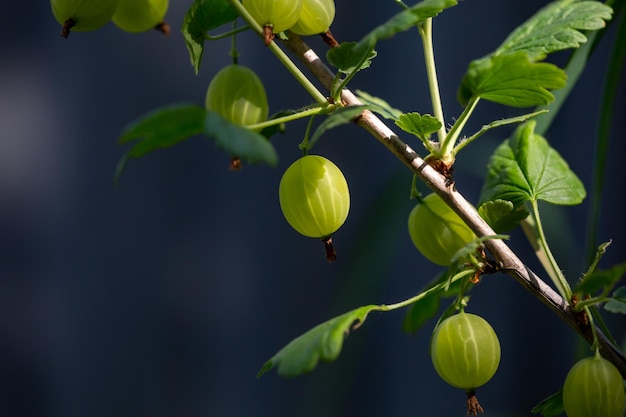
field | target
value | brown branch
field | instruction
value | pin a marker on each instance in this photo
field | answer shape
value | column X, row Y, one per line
column 508, row 261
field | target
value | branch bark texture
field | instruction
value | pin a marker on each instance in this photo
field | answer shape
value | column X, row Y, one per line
column 508, row 261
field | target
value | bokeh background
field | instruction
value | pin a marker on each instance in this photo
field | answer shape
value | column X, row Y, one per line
column 164, row 296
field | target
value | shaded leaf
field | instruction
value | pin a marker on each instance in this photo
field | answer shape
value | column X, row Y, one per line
column 338, row 117
column 617, row 303
column 323, row 342
column 502, row 215
column 551, row 406
column 347, row 58
column 238, row 141
column 418, row 125
column 202, row 16
column 512, row 80
column 556, row 27
column 378, row 105
column 600, row 279
column 525, row 168
column 420, row 312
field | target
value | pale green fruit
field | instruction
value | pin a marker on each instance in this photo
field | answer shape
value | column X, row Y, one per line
column 279, row 14
column 139, row 15
column 82, row 15
column 316, row 17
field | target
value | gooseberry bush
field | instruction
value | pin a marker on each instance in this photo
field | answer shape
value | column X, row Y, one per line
column 467, row 240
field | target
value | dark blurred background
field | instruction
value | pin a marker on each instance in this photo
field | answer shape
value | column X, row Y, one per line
column 164, row 296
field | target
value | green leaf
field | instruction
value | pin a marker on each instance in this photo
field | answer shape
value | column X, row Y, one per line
column 418, row 125
column 512, row 80
column 350, row 57
column 617, row 304
column 502, row 215
column 420, row 312
column 323, row 342
column 378, row 105
column 238, row 141
column 600, row 279
column 202, row 16
column 556, row 27
column 551, row 406
column 338, row 117
column 526, row 168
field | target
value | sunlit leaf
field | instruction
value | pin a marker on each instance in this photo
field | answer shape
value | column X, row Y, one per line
column 556, row 27
column 323, row 342
column 502, row 215
column 202, row 16
column 511, row 79
column 526, row 168
column 419, row 125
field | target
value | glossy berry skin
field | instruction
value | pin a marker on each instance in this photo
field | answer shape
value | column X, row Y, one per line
column 279, row 14
column 437, row 231
column 314, row 196
column 139, row 15
column 238, row 95
column 465, row 351
column 594, row 387
column 316, row 17
column 85, row 15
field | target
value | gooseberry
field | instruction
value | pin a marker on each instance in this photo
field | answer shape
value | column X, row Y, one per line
column 594, row 387
column 314, row 196
column 82, row 15
column 274, row 15
column 465, row 351
column 316, row 17
column 238, row 95
column 437, row 231
column 140, row 15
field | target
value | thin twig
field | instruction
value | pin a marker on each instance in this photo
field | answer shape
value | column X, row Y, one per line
column 508, row 261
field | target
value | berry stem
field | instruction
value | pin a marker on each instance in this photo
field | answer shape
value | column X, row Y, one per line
column 282, row 57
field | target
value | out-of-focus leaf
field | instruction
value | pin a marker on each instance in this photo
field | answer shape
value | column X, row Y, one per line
column 378, row 105
column 323, row 342
column 617, row 303
column 338, row 117
column 551, row 406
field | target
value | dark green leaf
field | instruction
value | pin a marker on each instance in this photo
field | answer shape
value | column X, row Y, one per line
column 420, row 312
column 551, row 406
column 418, row 125
column 511, row 79
column 600, row 279
column 525, row 168
column 502, row 215
column 556, row 27
column 323, row 342
column 350, row 56
column 378, row 105
column 617, row 303
column 238, row 141
column 339, row 117
column 202, row 16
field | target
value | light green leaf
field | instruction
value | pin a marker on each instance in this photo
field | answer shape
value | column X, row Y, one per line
column 238, row 141
column 502, row 215
column 419, row 125
column 511, row 79
column 526, row 168
column 202, row 16
column 338, row 117
column 551, row 406
column 323, row 342
column 556, row 27
column 378, row 105
column 617, row 304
